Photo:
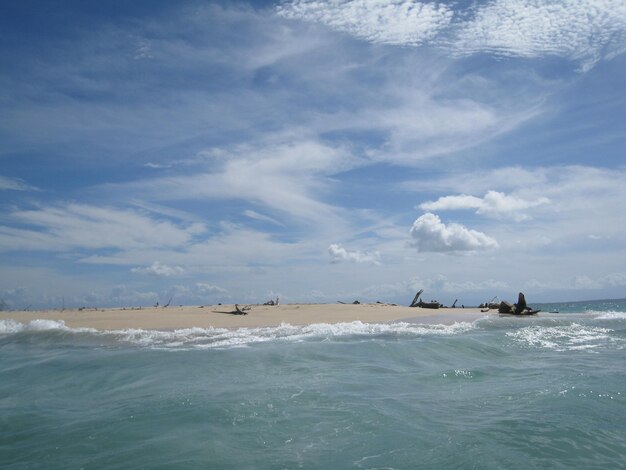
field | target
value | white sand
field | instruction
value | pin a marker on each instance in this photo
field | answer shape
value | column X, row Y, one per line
column 218, row 316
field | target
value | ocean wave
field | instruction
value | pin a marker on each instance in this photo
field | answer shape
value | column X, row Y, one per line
column 611, row 315
column 562, row 338
column 12, row 326
column 207, row 338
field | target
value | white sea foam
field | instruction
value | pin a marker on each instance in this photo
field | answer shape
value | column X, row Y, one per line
column 206, row 338
column 562, row 338
column 12, row 326
column 609, row 315
column 44, row 325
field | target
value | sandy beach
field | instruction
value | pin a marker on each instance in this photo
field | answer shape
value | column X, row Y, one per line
column 220, row 316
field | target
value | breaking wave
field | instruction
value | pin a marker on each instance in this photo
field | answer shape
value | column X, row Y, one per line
column 563, row 338
column 12, row 326
column 612, row 315
column 206, row 338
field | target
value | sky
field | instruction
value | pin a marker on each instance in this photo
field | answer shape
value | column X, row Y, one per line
column 319, row 151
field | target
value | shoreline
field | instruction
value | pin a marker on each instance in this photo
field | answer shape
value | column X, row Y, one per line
column 221, row 316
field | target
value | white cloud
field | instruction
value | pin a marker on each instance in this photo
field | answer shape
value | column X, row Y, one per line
column 581, row 282
column 505, row 178
column 614, row 279
column 420, row 126
column 399, row 22
column 202, row 288
column 431, row 235
column 143, row 51
column 125, row 296
column 156, row 166
column 581, row 30
column 233, row 249
column 76, row 226
column 158, row 269
column 264, row 218
column 581, row 209
column 280, row 176
column 14, row 184
column 339, row 254
column 493, row 204
column 433, row 286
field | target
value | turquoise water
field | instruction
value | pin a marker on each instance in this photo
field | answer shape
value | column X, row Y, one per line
column 543, row 392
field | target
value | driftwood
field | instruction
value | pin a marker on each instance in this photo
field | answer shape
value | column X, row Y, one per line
column 417, row 302
column 416, row 298
column 272, row 302
column 237, row 311
column 493, row 303
column 520, row 308
column 242, row 310
column 432, row 304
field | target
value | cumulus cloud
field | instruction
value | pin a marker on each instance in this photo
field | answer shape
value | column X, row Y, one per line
column 161, row 270
column 203, row 288
column 580, row 30
column 400, row 22
column 430, row 234
column 339, row 254
column 581, row 217
column 493, row 204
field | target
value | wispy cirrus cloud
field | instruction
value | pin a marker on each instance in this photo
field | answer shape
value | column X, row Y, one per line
column 156, row 166
column 279, row 176
column 82, row 226
column 14, row 184
column 261, row 217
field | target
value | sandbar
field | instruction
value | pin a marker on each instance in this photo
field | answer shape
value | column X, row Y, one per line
column 220, row 316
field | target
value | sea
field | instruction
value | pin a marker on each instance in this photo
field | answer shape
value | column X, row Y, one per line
column 496, row 393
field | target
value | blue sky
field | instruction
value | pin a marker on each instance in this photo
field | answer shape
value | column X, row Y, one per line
column 319, row 151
